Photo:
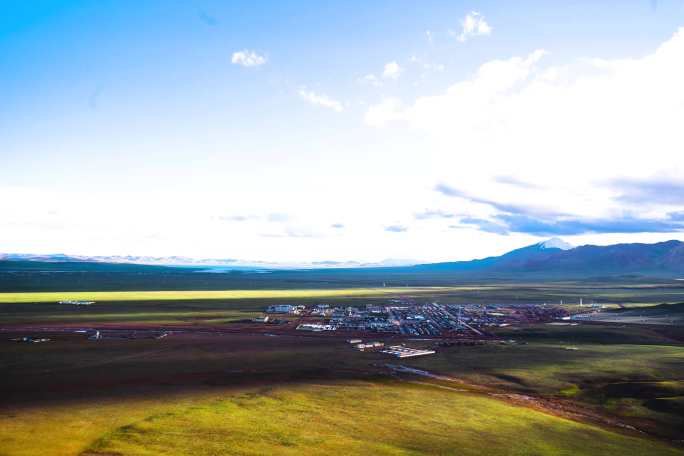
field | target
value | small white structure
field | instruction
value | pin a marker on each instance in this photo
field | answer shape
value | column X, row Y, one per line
column 280, row 308
column 370, row 346
column 76, row 303
column 315, row 327
column 405, row 352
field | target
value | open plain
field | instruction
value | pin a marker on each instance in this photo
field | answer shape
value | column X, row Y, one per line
column 202, row 373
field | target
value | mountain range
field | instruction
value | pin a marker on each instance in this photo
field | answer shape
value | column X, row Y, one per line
column 226, row 263
column 555, row 257
column 552, row 257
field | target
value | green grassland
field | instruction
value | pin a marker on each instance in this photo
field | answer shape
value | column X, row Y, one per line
column 629, row 295
column 367, row 418
column 26, row 297
column 600, row 366
column 223, row 306
column 255, row 394
column 182, row 307
column 609, row 294
column 348, row 418
column 149, row 396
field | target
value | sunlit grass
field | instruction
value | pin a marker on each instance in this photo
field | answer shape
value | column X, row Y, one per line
column 211, row 294
column 357, row 418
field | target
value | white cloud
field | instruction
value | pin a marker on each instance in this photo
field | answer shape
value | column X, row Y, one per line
column 247, row 58
column 463, row 100
column 565, row 128
column 473, row 24
column 557, row 132
column 392, row 70
column 428, row 35
column 320, row 100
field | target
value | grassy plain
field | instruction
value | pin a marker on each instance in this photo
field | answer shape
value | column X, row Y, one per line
column 223, row 306
column 364, row 418
column 344, row 418
column 202, row 393
column 598, row 366
column 28, row 297
column 147, row 396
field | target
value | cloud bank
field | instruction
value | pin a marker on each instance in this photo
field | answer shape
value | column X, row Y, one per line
column 593, row 146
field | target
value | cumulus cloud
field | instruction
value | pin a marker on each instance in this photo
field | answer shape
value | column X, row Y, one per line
column 321, row 100
column 467, row 100
column 601, row 137
column 392, row 70
column 247, row 58
column 518, row 218
column 547, row 226
column 574, row 226
column 473, row 24
column 509, row 207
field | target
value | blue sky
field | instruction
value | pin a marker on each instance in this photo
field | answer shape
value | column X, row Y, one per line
column 305, row 131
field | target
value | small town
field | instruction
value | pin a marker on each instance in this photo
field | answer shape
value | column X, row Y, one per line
column 406, row 318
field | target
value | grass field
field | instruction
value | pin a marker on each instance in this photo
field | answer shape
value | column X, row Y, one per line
column 133, row 397
column 599, row 366
column 212, row 294
column 203, row 393
column 348, row 418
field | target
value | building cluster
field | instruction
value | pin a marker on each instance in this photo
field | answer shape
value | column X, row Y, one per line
column 285, row 309
column 407, row 318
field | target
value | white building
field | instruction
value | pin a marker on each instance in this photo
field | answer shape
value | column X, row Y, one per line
column 281, row 308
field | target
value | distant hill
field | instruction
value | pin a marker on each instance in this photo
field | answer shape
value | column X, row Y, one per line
column 554, row 257
column 217, row 264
